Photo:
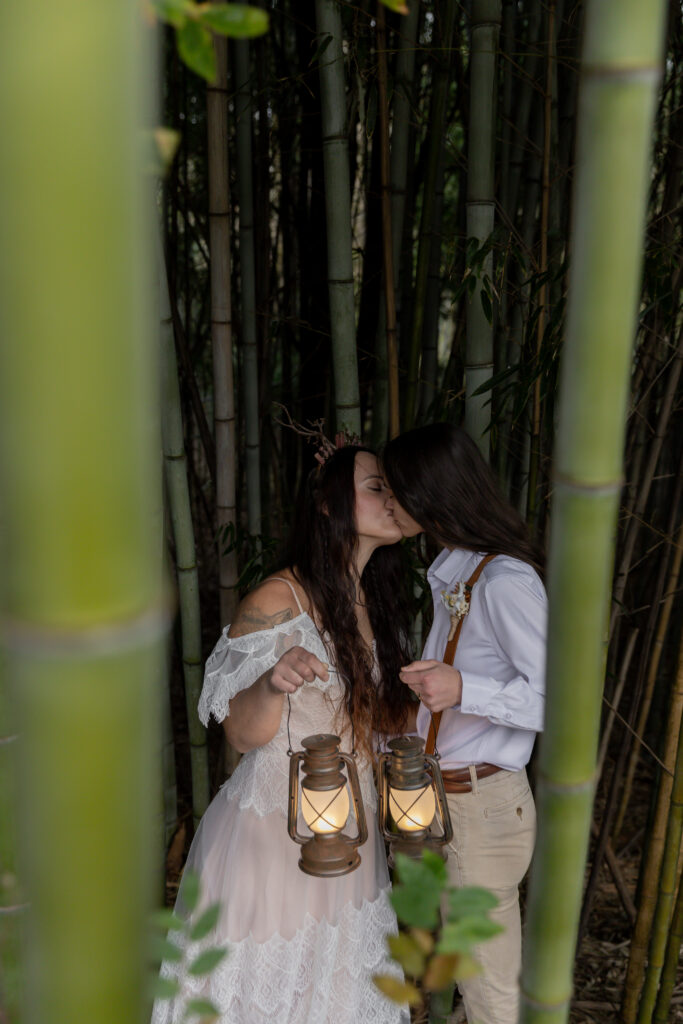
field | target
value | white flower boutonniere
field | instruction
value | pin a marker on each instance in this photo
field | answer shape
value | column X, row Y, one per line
column 457, row 604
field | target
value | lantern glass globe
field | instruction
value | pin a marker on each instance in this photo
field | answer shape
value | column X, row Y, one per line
column 412, row 810
column 325, row 810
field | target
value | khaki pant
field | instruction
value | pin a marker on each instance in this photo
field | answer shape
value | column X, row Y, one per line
column 494, row 827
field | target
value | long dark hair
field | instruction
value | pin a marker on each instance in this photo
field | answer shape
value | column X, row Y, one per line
column 441, row 479
column 321, row 554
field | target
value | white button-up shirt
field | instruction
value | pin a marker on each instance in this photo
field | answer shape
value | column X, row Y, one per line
column 501, row 656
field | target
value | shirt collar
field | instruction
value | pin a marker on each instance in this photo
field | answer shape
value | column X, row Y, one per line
column 457, row 564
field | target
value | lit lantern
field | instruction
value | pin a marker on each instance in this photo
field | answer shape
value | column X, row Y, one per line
column 410, row 794
column 324, row 803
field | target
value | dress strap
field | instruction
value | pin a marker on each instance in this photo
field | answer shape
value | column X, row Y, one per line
column 291, row 587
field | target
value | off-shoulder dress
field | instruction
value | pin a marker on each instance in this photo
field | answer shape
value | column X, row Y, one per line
column 302, row 950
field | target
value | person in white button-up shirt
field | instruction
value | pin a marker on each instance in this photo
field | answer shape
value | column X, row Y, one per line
column 492, row 697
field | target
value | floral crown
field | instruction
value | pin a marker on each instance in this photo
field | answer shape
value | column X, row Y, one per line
column 315, row 434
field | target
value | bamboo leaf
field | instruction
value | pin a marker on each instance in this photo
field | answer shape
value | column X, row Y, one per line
column 407, row 952
column 322, row 46
column 396, row 990
column 163, row 949
column 239, row 21
column 424, row 939
column 461, row 936
column 195, row 47
column 441, row 971
column 174, row 12
column 190, row 889
column 206, row 962
column 469, row 901
column 486, row 305
column 206, row 922
column 165, row 920
column 203, row 1008
column 396, row 5
column 416, row 900
column 164, row 988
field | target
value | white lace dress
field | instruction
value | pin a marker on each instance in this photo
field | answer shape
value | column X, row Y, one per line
column 302, row 950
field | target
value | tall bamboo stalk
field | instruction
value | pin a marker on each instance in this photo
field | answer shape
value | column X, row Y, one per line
column 402, row 104
column 673, row 946
column 434, row 143
column 177, row 490
column 82, row 616
column 657, row 830
column 338, row 217
column 620, row 72
column 221, row 327
column 668, row 878
column 387, row 228
column 486, row 20
column 245, row 194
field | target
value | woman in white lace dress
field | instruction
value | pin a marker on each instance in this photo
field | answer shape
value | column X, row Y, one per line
column 326, row 639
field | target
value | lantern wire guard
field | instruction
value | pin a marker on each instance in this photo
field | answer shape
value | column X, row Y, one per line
column 328, row 852
column 410, row 793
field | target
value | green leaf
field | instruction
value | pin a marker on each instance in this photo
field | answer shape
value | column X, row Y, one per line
column 486, row 305
column 239, row 21
column 416, row 900
column 406, row 952
column 206, row 962
column 396, row 990
column 165, row 920
column 322, row 46
column 461, row 936
column 435, row 864
column 175, row 12
column 190, row 889
column 469, row 901
column 206, row 922
column 164, row 949
column 396, row 5
column 165, row 988
column 441, row 971
column 203, row 1008
column 195, row 47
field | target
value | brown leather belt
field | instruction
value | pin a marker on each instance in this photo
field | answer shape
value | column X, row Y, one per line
column 459, row 780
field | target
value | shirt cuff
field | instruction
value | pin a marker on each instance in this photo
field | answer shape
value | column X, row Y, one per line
column 477, row 692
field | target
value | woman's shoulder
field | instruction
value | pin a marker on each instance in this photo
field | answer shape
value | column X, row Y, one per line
column 272, row 603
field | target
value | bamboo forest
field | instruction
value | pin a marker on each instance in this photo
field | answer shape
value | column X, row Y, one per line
column 217, row 221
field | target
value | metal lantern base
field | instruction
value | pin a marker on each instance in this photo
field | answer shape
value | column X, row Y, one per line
column 413, row 848
column 328, row 856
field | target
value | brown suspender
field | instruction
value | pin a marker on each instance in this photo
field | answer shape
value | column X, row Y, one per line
column 449, row 655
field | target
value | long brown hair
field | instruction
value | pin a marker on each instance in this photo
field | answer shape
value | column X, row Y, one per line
column 441, row 479
column 321, row 554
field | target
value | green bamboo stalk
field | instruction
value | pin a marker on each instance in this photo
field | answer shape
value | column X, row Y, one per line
column 12, row 904
column 82, row 620
column 178, row 493
column 668, row 880
column 620, row 73
column 673, row 946
column 402, row 100
column 437, row 120
column 486, row 20
column 245, row 195
column 221, row 327
column 338, row 216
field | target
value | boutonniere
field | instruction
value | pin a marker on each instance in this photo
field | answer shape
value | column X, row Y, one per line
column 457, row 603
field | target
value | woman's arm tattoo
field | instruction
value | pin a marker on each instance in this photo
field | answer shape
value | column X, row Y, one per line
column 251, row 620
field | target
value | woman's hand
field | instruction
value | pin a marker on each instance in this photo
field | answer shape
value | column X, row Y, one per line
column 296, row 667
column 438, row 686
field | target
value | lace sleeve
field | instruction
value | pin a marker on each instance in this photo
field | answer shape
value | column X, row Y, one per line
column 236, row 663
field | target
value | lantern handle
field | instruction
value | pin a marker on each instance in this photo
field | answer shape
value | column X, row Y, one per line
column 437, row 782
column 293, row 813
column 359, row 810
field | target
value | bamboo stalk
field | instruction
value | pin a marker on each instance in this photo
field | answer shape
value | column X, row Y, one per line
column 177, row 490
column 620, row 72
column 245, row 193
column 221, row 327
column 616, row 700
column 668, row 876
column 82, row 618
column 671, row 961
column 434, row 143
column 338, row 217
column 485, row 21
column 657, row 831
column 387, row 237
